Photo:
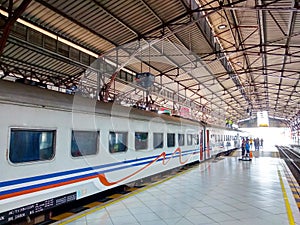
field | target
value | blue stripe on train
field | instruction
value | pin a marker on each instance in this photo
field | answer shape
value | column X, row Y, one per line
column 30, row 179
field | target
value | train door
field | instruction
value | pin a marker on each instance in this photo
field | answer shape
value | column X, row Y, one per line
column 237, row 141
column 201, row 145
column 207, row 144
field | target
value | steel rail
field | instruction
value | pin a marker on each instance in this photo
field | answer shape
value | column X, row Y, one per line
column 283, row 149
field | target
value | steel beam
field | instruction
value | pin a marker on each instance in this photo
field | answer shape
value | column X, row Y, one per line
column 12, row 18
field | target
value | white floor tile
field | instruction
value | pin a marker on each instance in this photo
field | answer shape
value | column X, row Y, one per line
column 98, row 215
column 183, row 221
column 200, row 219
column 124, row 220
column 100, row 221
column 220, row 217
column 208, row 210
column 154, row 222
column 142, row 217
column 81, row 221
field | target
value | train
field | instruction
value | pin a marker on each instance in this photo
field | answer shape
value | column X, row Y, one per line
column 295, row 136
column 57, row 148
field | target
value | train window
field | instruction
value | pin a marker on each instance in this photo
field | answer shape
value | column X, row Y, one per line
column 84, row 143
column 158, row 140
column 180, row 139
column 141, row 140
column 189, row 139
column 170, row 140
column 118, row 142
column 31, row 145
column 196, row 139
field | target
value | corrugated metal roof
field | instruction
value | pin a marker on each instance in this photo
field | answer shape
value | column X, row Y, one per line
column 256, row 65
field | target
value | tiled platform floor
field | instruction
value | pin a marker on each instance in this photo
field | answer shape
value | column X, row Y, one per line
column 226, row 191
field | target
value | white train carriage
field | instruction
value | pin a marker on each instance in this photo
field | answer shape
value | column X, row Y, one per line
column 57, row 148
column 221, row 139
column 295, row 136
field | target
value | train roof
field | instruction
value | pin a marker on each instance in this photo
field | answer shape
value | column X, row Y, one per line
column 32, row 96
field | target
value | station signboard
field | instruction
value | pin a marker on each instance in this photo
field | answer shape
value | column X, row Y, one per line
column 262, row 119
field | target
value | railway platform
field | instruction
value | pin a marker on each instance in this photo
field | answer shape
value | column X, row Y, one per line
column 222, row 191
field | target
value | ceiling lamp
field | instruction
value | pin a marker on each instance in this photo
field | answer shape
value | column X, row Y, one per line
column 222, row 26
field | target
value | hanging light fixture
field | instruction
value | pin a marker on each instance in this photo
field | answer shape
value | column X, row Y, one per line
column 222, row 25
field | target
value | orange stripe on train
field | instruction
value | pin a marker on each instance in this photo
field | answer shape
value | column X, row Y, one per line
column 101, row 177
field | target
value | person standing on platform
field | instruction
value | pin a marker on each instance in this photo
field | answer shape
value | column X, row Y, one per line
column 257, row 144
column 261, row 142
column 230, row 123
column 251, row 142
column 227, row 122
column 247, row 147
column 243, row 147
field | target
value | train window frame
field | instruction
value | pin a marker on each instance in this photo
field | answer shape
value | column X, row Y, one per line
column 109, row 145
column 189, row 139
column 86, row 153
column 161, row 144
column 42, row 154
column 140, row 144
column 181, row 139
column 196, row 139
column 171, row 144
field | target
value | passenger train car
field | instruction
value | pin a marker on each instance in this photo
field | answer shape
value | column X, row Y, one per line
column 56, row 148
column 295, row 136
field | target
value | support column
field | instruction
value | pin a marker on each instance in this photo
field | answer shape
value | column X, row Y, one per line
column 12, row 18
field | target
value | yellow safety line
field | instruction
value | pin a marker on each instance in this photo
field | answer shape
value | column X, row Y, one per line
column 286, row 201
column 122, row 198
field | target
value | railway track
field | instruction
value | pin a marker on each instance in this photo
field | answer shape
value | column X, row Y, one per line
column 292, row 159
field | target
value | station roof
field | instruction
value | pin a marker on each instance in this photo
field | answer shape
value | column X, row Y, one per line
column 223, row 59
